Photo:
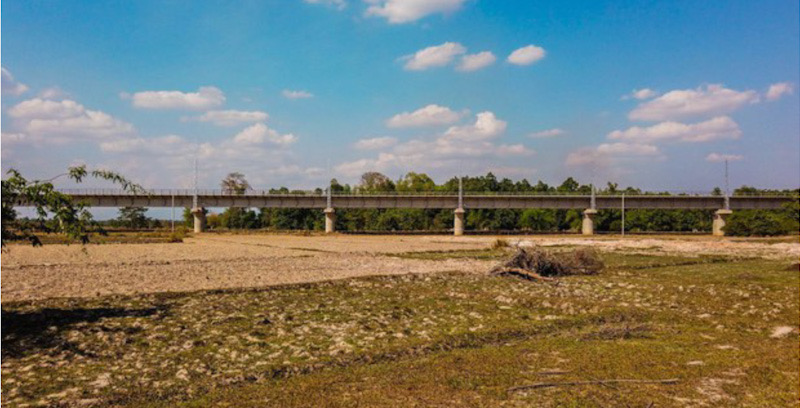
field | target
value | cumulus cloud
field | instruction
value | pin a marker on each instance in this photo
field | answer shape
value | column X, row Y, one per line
column 547, row 133
column 10, row 86
column 62, row 121
column 721, row 127
column 434, row 56
column 406, row 11
column 339, row 4
column 166, row 145
column 207, row 97
column 776, row 91
column 53, row 92
column 259, row 134
column 290, row 94
column 375, row 143
column 721, row 157
column 526, row 55
column 486, row 126
column 431, row 115
column 465, row 147
column 474, row 62
column 706, row 100
column 607, row 153
column 641, row 94
column 228, row 117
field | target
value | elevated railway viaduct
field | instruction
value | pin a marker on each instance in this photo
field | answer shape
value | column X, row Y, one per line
column 460, row 203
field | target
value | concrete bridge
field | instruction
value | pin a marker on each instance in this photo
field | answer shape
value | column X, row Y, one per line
column 460, row 202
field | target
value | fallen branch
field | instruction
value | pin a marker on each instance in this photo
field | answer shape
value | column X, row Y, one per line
column 523, row 273
column 600, row 382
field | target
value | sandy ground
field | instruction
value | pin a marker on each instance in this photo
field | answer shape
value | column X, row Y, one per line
column 235, row 261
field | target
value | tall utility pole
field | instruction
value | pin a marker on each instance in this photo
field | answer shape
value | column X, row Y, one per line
column 460, row 193
column 727, row 190
column 194, row 197
column 623, row 214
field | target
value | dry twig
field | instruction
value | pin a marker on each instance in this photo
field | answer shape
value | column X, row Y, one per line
column 600, row 382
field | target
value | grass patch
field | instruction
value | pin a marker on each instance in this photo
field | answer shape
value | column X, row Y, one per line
column 447, row 339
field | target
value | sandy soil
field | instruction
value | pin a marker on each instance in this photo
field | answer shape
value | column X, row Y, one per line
column 232, row 261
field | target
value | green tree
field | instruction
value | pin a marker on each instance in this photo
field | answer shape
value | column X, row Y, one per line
column 133, row 217
column 375, row 182
column 235, row 183
column 68, row 217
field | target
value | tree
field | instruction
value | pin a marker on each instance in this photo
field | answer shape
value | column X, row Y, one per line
column 68, row 217
column 133, row 217
column 235, row 183
column 416, row 182
column 375, row 182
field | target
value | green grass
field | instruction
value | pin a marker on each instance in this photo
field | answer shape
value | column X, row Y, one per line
column 428, row 340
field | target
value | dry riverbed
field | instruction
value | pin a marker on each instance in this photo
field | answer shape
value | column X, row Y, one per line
column 432, row 330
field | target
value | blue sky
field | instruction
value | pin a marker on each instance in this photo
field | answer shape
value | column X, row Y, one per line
column 296, row 92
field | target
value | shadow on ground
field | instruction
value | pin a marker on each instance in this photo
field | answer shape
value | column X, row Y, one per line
column 31, row 332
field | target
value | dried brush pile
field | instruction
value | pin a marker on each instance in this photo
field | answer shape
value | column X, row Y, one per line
column 538, row 264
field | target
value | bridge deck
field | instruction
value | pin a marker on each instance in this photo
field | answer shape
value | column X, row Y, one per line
column 428, row 201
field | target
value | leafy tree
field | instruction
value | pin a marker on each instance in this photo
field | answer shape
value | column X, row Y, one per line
column 68, row 217
column 235, row 183
column 416, row 182
column 375, row 182
column 538, row 220
column 133, row 217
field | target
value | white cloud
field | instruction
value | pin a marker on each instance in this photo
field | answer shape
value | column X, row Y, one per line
column 486, row 126
column 459, row 148
column 405, row 11
column 721, row 157
column 526, row 55
column 375, row 143
column 10, row 86
column 431, row 115
column 53, row 93
column 290, row 94
column 474, row 62
column 339, row 4
column 260, row 133
column 229, row 117
column 641, row 94
column 607, row 153
column 776, row 91
column 62, row 121
column 207, row 97
column 688, row 103
column 13, row 138
column 721, row 127
column 434, row 56
column 166, row 145
column 547, row 133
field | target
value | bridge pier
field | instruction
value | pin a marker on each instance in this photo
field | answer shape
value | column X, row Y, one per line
column 587, row 227
column 330, row 220
column 458, row 223
column 720, row 217
column 199, row 214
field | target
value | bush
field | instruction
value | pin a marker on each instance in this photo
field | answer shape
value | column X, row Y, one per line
column 500, row 244
column 755, row 223
column 177, row 236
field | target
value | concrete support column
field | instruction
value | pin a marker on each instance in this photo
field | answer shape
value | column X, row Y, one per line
column 330, row 220
column 199, row 214
column 719, row 222
column 458, row 223
column 587, row 228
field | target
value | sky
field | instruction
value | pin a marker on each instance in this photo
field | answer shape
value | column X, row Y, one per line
column 293, row 93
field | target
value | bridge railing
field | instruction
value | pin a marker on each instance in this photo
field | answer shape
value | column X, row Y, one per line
column 258, row 193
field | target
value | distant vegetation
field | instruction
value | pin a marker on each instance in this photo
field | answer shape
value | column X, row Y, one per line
column 741, row 223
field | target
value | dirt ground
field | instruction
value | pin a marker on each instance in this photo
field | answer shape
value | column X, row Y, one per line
column 214, row 261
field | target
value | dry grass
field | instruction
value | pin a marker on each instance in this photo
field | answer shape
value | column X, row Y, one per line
column 443, row 339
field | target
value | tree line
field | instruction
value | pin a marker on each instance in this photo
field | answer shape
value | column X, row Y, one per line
column 744, row 222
